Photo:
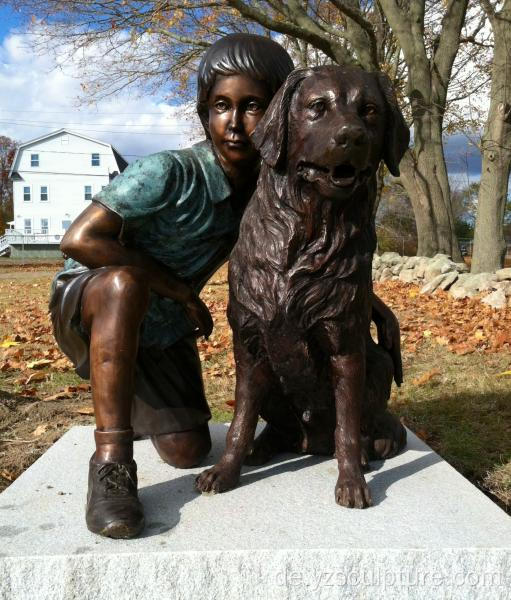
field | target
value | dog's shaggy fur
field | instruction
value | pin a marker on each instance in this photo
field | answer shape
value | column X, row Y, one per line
column 300, row 281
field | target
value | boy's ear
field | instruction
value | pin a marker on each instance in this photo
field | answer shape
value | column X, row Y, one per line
column 270, row 135
column 397, row 134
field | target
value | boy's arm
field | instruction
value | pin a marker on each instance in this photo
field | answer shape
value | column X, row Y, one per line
column 388, row 334
column 93, row 240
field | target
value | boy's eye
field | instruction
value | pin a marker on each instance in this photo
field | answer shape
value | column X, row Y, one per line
column 221, row 105
column 253, row 106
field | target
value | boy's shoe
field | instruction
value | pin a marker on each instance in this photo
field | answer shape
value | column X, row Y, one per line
column 113, row 508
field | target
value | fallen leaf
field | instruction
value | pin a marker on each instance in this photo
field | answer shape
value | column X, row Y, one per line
column 58, row 396
column 462, row 349
column 8, row 342
column 39, row 376
column 39, row 364
column 8, row 475
column 442, row 341
column 40, row 429
column 85, row 410
column 503, row 374
column 427, row 333
column 425, row 377
column 422, row 434
column 62, row 364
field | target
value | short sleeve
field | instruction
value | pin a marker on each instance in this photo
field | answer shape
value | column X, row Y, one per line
column 143, row 188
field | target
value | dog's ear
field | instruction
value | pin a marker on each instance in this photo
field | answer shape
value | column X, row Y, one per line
column 270, row 135
column 397, row 134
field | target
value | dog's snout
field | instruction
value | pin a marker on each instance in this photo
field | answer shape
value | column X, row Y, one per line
column 350, row 135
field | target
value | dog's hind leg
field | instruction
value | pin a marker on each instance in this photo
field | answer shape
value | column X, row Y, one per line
column 383, row 434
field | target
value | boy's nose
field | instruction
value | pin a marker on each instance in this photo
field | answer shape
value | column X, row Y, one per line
column 235, row 121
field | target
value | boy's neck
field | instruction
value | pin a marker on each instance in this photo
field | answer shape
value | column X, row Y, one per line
column 240, row 176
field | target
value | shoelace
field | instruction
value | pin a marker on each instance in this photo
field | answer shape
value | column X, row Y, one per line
column 117, row 478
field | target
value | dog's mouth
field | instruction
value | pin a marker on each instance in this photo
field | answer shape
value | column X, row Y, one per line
column 343, row 175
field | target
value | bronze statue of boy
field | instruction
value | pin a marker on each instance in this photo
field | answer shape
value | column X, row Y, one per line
column 126, row 308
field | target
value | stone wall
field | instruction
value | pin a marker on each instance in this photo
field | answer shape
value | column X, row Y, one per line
column 441, row 273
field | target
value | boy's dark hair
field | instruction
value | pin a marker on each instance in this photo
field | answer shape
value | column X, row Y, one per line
column 241, row 53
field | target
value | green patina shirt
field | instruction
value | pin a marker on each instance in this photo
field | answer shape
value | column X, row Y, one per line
column 176, row 207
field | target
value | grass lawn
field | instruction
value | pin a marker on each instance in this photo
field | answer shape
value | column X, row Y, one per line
column 454, row 396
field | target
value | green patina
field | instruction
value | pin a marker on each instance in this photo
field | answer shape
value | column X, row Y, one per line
column 176, row 207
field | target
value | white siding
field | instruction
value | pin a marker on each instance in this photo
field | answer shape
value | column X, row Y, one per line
column 65, row 169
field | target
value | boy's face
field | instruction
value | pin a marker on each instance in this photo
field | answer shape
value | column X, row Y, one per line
column 236, row 104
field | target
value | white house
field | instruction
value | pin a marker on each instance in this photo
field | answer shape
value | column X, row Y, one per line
column 54, row 178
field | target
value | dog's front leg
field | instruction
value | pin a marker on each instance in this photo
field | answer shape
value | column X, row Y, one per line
column 348, row 374
column 253, row 381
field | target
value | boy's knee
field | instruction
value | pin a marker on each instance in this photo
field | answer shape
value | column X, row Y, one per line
column 126, row 281
column 184, row 449
column 118, row 283
column 116, row 291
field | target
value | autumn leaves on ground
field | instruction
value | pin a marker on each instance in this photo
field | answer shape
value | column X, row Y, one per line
column 456, row 395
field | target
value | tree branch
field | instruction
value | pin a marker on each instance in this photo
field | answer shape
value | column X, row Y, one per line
column 318, row 40
column 364, row 24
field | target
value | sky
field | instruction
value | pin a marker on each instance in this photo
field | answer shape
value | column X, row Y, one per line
column 36, row 99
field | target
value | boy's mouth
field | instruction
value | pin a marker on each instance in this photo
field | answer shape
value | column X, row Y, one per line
column 236, row 142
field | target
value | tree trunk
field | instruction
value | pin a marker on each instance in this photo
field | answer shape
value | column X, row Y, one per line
column 425, row 181
column 489, row 243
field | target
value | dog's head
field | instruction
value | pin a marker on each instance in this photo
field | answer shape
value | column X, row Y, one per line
column 330, row 126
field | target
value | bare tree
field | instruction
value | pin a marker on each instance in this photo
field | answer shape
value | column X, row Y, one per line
column 155, row 43
column 489, row 243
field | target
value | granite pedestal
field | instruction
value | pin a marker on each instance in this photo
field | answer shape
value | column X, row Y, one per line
column 280, row 535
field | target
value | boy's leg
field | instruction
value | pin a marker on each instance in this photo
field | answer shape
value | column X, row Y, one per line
column 183, row 449
column 114, row 303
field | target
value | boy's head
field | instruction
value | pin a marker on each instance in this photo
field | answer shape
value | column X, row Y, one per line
column 253, row 56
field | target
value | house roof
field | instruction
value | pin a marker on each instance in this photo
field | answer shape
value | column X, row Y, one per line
column 121, row 162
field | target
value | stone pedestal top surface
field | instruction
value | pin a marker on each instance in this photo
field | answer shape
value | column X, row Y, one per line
column 430, row 533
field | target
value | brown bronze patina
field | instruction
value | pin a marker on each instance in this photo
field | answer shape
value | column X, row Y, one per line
column 102, row 307
column 300, row 284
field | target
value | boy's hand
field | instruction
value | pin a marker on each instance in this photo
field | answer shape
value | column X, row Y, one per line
column 199, row 315
column 388, row 335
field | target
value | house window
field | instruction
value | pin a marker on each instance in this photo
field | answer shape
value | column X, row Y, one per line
column 34, row 160
column 28, row 226
column 26, row 193
column 66, row 225
column 44, row 226
column 87, row 192
column 95, row 160
column 44, row 193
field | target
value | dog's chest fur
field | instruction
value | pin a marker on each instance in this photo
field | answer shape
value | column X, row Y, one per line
column 297, row 265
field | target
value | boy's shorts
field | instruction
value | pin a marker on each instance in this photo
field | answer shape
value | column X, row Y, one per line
column 169, row 391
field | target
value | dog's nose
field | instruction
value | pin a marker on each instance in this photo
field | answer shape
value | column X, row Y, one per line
column 350, row 135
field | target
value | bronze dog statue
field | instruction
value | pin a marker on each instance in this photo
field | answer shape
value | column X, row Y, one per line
column 300, row 282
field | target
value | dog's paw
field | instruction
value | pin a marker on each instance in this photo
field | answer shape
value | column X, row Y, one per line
column 352, row 492
column 216, row 480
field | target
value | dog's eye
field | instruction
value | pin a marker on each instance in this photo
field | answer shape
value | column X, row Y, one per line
column 317, row 106
column 369, row 110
